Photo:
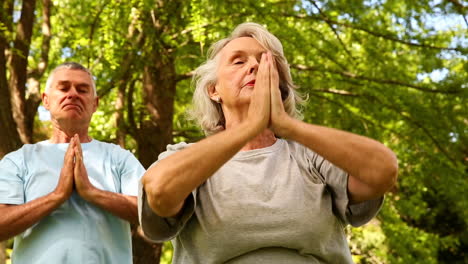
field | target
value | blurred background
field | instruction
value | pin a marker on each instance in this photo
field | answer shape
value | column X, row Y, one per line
column 395, row 71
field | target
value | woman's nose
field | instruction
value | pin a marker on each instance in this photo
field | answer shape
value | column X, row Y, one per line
column 253, row 66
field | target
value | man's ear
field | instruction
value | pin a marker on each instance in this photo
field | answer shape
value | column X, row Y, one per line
column 96, row 103
column 45, row 100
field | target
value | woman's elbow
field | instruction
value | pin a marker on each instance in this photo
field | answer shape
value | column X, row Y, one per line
column 390, row 172
column 158, row 196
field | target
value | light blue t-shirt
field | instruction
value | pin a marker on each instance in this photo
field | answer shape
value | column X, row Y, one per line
column 77, row 231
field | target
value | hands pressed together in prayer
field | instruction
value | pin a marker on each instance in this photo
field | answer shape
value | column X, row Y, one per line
column 75, row 177
column 73, row 174
column 266, row 105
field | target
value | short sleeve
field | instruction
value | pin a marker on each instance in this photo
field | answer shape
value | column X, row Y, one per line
column 131, row 171
column 11, row 181
column 160, row 229
column 337, row 184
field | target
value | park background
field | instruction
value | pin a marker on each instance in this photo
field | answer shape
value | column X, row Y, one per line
column 392, row 70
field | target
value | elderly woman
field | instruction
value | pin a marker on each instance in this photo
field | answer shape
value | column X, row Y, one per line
column 263, row 187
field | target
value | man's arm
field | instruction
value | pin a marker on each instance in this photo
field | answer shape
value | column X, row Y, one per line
column 120, row 205
column 17, row 218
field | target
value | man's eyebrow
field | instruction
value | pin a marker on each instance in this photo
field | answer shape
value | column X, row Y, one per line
column 83, row 84
column 63, row 82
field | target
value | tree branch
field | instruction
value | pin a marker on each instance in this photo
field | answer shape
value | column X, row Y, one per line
column 184, row 76
column 130, row 110
column 370, row 79
column 330, row 25
column 93, row 28
column 460, row 8
column 399, row 112
column 358, row 116
column 380, row 35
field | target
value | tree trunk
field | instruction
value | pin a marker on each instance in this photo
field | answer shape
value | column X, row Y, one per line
column 18, row 68
column 153, row 135
column 144, row 251
column 119, row 115
column 159, row 81
column 9, row 137
column 3, row 252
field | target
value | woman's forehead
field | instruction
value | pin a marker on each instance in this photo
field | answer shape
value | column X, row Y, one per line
column 243, row 45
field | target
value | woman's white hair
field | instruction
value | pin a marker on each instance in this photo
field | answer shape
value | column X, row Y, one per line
column 69, row 66
column 209, row 114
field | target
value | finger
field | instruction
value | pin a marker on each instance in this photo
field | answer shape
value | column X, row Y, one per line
column 78, row 156
column 264, row 72
column 262, row 69
column 69, row 154
column 274, row 79
column 71, row 145
column 78, row 145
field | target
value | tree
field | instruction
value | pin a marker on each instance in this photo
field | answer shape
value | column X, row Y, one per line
column 384, row 69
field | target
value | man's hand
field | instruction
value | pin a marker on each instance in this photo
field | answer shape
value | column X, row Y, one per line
column 83, row 186
column 64, row 187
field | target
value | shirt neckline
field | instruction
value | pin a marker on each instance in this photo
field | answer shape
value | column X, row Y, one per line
column 65, row 145
column 254, row 152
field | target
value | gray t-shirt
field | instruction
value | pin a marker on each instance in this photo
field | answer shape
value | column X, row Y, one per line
column 279, row 204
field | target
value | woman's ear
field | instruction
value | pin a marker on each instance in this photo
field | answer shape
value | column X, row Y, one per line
column 213, row 92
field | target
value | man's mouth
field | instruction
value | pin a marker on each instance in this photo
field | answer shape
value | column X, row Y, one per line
column 67, row 106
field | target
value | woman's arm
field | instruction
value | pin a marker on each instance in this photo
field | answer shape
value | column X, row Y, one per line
column 168, row 183
column 372, row 167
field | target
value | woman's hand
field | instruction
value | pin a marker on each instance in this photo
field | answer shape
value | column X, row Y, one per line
column 259, row 109
column 279, row 119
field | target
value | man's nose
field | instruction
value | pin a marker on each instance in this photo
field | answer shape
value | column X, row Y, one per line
column 72, row 92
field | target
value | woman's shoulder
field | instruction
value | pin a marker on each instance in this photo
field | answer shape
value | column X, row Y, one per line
column 297, row 148
column 173, row 148
column 177, row 146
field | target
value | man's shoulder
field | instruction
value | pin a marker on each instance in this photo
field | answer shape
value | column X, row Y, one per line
column 22, row 155
column 24, row 149
column 110, row 149
column 106, row 145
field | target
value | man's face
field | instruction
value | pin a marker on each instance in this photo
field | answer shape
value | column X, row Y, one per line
column 71, row 97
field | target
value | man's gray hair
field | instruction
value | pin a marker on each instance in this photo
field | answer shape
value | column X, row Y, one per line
column 207, row 113
column 70, row 66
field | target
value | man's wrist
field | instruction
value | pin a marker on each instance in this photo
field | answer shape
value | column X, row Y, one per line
column 89, row 194
column 58, row 197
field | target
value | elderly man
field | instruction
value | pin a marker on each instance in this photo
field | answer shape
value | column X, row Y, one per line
column 69, row 199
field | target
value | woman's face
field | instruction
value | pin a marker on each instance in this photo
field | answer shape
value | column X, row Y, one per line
column 237, row 69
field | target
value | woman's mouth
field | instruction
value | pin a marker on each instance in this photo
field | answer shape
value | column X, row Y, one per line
column 251, row 83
